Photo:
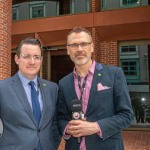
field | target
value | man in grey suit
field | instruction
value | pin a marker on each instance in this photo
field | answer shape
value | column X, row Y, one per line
column 103, row 92
column 21, row 130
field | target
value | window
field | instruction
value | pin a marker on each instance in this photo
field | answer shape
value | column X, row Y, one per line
column 37, row 10
column 134, row 60
column 15, row 12
column 104, row 5
column 128, row 49
column 130, row 3
column 129, row 61
column 131, row 69
column 77, row 7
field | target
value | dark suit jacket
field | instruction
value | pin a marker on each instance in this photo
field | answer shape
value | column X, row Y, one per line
column 20, row 131
column 110, row 108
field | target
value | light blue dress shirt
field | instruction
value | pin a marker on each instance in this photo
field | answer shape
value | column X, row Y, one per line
column 27, row 89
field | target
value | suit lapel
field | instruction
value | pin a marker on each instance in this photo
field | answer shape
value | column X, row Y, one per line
column 71, row 87
column 43, row 93
column 18, row 88
column 96, row 79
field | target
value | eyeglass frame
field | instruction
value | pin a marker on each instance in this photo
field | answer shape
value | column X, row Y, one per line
column 28, row 57
column 76, row 45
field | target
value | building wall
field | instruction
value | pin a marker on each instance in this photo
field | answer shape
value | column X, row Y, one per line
column 5, row 39
column 108, row 29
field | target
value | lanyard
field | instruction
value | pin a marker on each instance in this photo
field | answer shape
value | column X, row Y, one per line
column 83, row 85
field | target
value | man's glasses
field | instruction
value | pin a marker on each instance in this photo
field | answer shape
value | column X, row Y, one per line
column 75, row 46
column 27, row 57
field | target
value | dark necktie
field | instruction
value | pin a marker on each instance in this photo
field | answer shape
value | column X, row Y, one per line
column 35, row 103
column 35, row 106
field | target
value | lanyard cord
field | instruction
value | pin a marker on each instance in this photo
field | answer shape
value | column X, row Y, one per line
column 83, row 85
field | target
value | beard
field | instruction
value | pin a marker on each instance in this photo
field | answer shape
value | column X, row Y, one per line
column 81, row 61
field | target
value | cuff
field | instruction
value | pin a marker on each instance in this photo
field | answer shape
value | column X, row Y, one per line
column 65, row 135
column 100, row 131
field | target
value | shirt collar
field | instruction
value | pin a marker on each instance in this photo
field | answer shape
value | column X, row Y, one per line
column 91, row 69
column 25, row 80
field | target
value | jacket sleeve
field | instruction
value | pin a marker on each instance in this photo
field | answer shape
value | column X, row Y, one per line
column 123, row 109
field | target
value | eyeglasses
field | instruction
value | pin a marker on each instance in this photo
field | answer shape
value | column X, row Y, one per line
column 76, row 46
column 27, row 57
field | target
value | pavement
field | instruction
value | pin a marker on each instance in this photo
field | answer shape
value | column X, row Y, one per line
column 136, row 140
column 133, row 140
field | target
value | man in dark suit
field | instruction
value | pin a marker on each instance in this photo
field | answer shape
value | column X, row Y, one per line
column 105, row 99
column 28, row 111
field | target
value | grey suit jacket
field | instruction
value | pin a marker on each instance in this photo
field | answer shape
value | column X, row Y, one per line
column 20, row 131
column 110, row 108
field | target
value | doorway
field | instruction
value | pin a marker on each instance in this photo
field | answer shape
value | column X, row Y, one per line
column 60, row 67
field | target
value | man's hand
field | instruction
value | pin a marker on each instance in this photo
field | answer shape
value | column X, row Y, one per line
column 78, row 128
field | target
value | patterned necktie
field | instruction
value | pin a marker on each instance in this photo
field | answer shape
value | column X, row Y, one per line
column 35, row 103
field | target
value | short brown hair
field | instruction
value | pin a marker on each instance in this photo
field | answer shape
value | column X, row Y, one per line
column 29, row 40
column 78, row 30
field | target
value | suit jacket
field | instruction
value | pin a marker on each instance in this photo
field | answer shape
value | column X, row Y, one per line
column 110, row 108
column 20, row 131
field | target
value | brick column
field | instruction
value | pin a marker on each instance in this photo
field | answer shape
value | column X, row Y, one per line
column 5, row 38
column 95, row 5
column 96, row 41
column 109, row 53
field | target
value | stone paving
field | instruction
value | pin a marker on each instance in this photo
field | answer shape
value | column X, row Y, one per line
column 133, row 140
column 136, row 140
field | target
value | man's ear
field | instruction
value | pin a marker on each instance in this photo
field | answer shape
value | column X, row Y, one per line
column 92, row 47
column 16, row 58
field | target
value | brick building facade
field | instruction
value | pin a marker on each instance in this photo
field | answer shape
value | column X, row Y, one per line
column 5, row 38
column 110, row 29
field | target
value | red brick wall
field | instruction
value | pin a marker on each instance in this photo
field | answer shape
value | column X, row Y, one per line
column 109, row 53
column 96, row 41
column 45, row 65
column 5, row 38
column 95, row 5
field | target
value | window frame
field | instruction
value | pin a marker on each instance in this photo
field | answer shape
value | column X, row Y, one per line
column 130, row 78
column 72, row 8
column 37, row 4
column 131, row 57
column 15, row 7
column 103, row 5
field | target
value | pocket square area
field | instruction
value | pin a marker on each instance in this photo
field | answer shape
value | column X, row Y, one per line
column 101, row 87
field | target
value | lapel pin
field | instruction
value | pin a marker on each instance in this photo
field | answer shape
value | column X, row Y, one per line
column 99, row 75
column 44, row 84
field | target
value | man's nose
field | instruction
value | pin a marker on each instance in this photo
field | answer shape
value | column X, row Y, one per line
column 80, row 48
column 32, row 60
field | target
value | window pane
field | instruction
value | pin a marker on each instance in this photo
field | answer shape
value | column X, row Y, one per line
column 130, row 3
column 14, row 14
column 37, row 11
column 125, row 49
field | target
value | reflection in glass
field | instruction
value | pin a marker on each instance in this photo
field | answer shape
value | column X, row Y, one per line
column 135, row 63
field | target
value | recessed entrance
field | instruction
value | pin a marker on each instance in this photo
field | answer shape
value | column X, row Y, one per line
column 60, row 67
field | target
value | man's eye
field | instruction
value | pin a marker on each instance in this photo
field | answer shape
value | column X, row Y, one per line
column 37, row 57
column 74, row 45
column 26, row 56
column 83, row 44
